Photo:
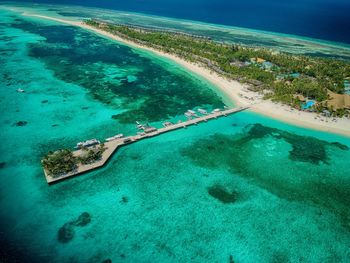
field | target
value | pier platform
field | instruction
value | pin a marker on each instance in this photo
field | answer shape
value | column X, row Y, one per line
column 113, row 145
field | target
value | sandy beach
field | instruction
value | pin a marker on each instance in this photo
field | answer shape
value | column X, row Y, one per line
column 233, row 90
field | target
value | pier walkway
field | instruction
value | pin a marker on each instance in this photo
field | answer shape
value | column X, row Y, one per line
column 113, row 145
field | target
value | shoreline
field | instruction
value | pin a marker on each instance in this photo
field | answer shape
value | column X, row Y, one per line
column 233, row 90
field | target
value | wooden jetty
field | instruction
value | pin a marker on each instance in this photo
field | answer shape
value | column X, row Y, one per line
column 113, row 145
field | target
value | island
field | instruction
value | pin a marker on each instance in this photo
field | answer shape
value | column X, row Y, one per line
column 305, row 83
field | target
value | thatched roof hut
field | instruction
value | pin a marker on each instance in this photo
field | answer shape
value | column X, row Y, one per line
column 338, row 101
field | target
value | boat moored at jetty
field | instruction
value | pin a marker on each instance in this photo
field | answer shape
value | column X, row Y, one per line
column 188, row 115
column 118, row 136
column 202, row 111
column 167, row 124
column 87, row 143
column 192, row 113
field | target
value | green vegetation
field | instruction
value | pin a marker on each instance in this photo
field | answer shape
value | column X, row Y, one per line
column 63, row 161
column 59, row 162
column 92, row 155
column 280, row 76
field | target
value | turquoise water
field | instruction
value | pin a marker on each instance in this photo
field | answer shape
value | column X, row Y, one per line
column 244, row 187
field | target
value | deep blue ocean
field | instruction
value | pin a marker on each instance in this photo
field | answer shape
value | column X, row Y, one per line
column 323, row 19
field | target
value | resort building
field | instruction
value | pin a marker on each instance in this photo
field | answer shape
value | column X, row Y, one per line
column 257, row 60
column 338, row 101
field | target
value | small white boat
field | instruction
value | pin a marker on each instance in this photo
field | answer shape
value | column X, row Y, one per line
column 20, row 90
column 188, row 115
column 118, row 136
column 202, row 111
column 87, row 143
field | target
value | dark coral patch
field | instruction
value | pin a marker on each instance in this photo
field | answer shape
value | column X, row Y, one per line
column 340, row 146
column 66, row 233
column 304, row 148
column 83, row 219
column 2, row 165
column 21, row 123
column 125, row 199
column 222, row 195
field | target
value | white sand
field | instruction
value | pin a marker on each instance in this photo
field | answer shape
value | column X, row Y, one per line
column 234, row 90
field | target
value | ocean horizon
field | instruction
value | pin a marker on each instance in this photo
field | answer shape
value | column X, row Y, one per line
column 320, row 19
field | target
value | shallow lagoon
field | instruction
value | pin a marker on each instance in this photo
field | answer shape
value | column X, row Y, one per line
column 243, row 186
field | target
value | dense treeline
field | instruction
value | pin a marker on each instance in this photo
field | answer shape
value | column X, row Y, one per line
column 286, row 75
column 59, row 162
column 64, row 161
